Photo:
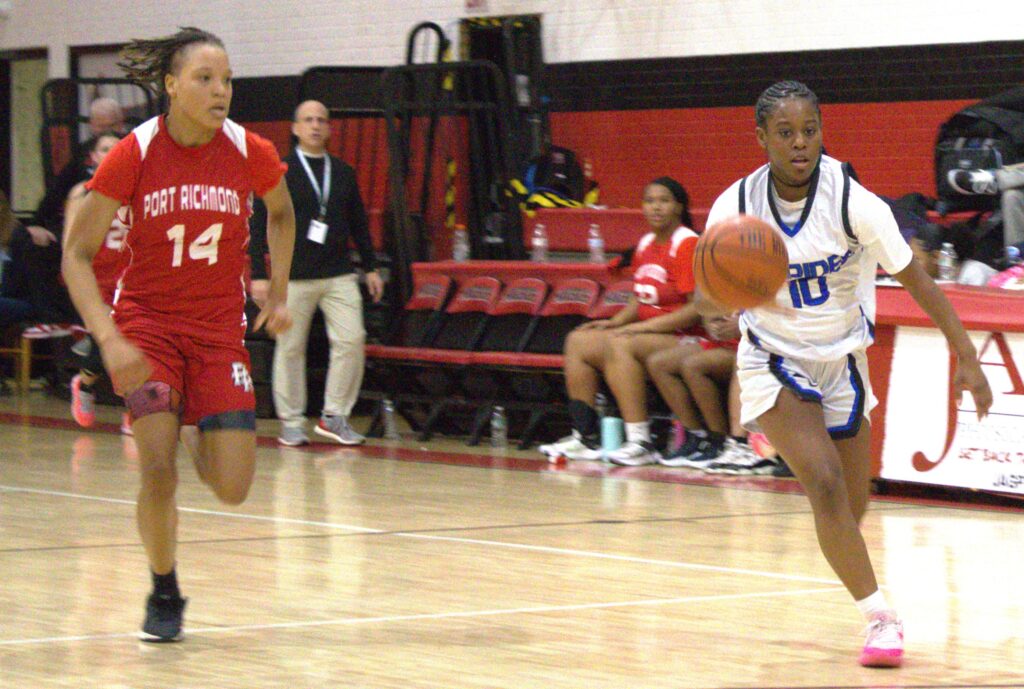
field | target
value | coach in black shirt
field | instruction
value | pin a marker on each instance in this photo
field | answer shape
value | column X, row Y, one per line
column 328, row 213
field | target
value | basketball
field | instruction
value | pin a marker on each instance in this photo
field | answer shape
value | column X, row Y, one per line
column 740, row 262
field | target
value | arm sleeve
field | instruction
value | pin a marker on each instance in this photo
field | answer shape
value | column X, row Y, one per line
column 359, row 226
column 265, row 164
column 875, row 227
column 258, row 240
column 118, row 174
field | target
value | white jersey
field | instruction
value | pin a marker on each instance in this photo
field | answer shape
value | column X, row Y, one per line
column 827, row 306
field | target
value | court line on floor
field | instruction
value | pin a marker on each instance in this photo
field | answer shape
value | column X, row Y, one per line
column 382, row 619
column 451, row 539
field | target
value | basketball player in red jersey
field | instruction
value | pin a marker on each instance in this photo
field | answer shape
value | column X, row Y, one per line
column 108, row 264
column 173, row 347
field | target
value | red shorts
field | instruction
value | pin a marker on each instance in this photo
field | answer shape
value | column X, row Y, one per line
column 211, row 375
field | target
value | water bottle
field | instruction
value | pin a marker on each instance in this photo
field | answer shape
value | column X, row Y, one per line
column 390, row 422
column 612, row 431
column 499, row 428
column 460, row 244
column 947, row 263
column 539, row 244
column 595, row 242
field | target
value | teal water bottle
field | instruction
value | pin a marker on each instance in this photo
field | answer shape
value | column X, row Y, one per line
column 611, row 435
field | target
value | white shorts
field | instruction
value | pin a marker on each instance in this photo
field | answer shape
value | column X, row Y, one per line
column 842, row 387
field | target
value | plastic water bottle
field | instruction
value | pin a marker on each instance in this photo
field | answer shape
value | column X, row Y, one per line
column 390, row 422
column 595, row 242
column 499, row 428
column 460, row 244
column 539, row 244
column 947, row 263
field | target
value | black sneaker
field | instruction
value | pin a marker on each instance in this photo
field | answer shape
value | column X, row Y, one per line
column 782, row 470
column 163, row 619
column 706, row 451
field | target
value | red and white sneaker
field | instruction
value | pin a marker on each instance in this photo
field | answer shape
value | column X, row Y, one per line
column 83, row 404
column 883, row 646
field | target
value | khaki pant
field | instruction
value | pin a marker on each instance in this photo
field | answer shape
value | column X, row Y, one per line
column 1011, row 186
column 342, row 304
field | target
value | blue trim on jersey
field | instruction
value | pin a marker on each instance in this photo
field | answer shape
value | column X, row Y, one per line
column 852, row 425
column 871, row 326
column 811, row 193
column 787, row 380
column 754, row 339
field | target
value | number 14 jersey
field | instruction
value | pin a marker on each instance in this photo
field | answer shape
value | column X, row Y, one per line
column 189, row 209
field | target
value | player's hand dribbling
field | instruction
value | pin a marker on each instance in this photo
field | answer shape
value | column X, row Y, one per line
column 126, row 365
column 971, row 378
column 274, row 316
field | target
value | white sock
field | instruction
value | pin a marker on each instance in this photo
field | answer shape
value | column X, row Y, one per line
column 639, row 432
column 873, row 604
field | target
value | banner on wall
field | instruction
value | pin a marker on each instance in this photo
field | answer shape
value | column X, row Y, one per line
column 930, row 438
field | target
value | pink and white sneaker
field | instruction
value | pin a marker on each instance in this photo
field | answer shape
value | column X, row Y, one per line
column 760, row 444
column 83, row 404
column 883, row 646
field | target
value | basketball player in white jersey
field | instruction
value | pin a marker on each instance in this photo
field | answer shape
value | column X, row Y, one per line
column 802, row 362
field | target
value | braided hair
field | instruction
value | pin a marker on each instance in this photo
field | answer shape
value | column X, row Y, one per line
column 778, row 92
column 148, row 61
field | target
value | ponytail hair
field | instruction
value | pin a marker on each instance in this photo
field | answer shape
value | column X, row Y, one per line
column 148, row 61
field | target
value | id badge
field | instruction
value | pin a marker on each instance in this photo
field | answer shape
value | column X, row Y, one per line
column 317, row 231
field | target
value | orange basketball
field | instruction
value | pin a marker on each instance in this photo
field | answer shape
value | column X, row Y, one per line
column 740, row 262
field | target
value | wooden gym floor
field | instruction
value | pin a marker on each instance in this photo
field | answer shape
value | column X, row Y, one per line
column 396, row 566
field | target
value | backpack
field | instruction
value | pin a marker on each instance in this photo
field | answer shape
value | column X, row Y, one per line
column 558, row 170
column 986, row 135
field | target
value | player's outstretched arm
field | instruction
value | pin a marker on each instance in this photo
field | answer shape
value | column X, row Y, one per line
column 969, row 375
column 281, row 239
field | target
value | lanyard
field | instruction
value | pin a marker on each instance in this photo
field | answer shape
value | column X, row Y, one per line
column 321, row 194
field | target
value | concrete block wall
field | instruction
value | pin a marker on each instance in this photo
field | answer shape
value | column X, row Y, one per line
column 285, row 37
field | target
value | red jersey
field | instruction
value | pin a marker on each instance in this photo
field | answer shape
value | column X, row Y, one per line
column 664, row 272
column 111, row 259
column 189, row 210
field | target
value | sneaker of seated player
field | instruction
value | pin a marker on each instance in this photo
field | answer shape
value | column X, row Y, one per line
column 163, row 619
column 83, row 404
column 126, row 424
column 574, row 447
column 337, row 428
column 739, row 459
column 708, row 450
column 973, row 182
column 634, row 454
column 883, row 645
column 761, row 445
column 690, row 445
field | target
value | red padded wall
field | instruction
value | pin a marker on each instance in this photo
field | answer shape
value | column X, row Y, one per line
column 889, row 144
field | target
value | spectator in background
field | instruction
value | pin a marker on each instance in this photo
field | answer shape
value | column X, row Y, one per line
column 105, row 115
column 108, row 265
column 328, row 213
